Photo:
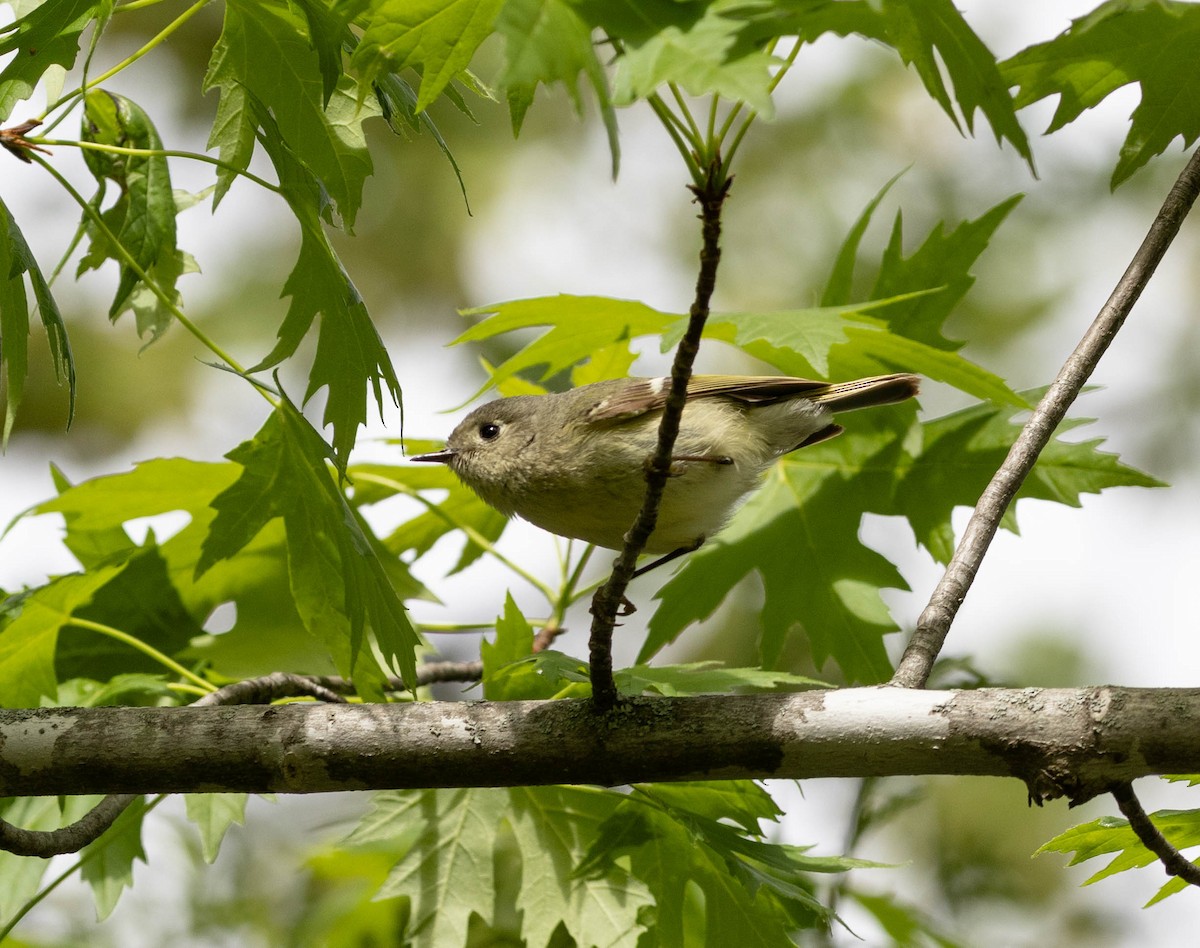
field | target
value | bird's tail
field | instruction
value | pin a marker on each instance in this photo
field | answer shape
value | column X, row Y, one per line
column 867, row 393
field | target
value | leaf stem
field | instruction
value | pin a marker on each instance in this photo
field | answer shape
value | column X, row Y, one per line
column 674, row 128
column 136, row 5
column 472, row 534
column 133, row 265
column 685, row 114
column 129, row 60
column 149, row 650
column 157, row 152
column 568, row 596
column 934, row 623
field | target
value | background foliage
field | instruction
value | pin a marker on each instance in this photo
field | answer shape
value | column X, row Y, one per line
column 187, row 571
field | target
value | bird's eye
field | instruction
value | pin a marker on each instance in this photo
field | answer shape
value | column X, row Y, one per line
column 489, row 431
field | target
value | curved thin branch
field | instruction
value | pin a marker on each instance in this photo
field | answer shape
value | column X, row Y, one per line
column 70, row 839
column 608, row 598
column 934, row 623
column 1172, row 859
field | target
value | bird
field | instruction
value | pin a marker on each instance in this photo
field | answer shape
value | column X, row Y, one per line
column 574, row 462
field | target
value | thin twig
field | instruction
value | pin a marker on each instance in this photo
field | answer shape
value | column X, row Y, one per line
column 1172, row 859
column 934, row 623
column 711, row 196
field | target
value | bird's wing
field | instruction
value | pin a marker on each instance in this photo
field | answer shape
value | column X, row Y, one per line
column 639, row 396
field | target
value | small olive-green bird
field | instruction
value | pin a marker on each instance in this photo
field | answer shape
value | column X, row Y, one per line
column 574, row 462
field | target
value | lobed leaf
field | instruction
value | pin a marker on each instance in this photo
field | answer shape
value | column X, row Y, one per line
column 1118, row 43
column 545, row 42
column 1112, row 835
column 337, row 579
column 578, row 327
column 213, row 814
column 16, row 261
column 435, row 37
column 800, row 533
column 48, row 35
column 448, row 872
column 514, row 643
column 350, row 354
column 141, row 222
column 28, row 641
column 553, row 827
column 265, row 54
column 962, row 451
column 931, row 36
column 108, row 862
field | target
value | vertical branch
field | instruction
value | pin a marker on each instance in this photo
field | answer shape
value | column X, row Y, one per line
column 934, row 623
column 710, row 195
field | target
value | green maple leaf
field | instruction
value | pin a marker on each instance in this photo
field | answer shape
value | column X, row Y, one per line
column 932, row 35
column 962, row 451
column 264, row 54
column 435, row 37
column 350, row 354
column 48, row 35
column 28, row 642
column 545, row 42
column 708, row 56
column 213, row 814
column 267, row 635
column 447, row 873
column 337, row 578
column 17, row 262
column 1111, row 835
column 754, row 893
column 108, row 862
column 1150, row 42
column 579, row 326
column 142, row 219
column 513, row 643
column 553, row 827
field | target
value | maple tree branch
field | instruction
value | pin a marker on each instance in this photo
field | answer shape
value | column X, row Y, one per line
column 711, row 196
column 1152, row 838
column 93, row 824
column 934, row 623
column 1069, row 742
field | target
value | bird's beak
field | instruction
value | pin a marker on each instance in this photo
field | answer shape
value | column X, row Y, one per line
column 439, row 457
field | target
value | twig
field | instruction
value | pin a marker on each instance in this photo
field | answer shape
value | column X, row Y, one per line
column 93, row 824
column 1172, row 859
column 546, row 635
column 934, row 623
column 711, row 196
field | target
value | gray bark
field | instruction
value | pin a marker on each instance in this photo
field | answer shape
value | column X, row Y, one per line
column 1061, row 742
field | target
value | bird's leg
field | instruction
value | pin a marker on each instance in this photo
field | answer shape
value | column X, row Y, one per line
column 708, row 458
column 680, row 461
column 673, row 555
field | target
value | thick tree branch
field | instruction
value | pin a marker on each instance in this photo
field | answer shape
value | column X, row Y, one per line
column 608, row 598
column 1061, row 742
column 1172, row 859
column 934, row 622
column 93, row 824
